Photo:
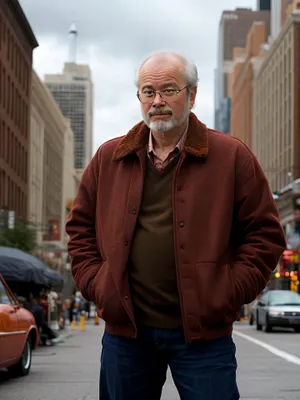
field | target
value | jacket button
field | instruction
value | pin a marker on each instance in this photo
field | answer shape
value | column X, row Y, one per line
column 126, row 243
column 126, row 297
column 181, row 224
column 134, row 211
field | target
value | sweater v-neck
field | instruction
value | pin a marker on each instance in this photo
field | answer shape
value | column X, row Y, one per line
column 165, row 170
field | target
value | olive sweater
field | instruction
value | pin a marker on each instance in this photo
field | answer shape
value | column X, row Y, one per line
column 152, row 270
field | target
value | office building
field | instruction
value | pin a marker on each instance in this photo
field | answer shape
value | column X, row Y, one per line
column 246, row 62
column 73, row 92
column 233, row 29
column 279, row 11
column 276, row 104
column 17, row 42
column 52, row 182
column 70, row 181
column 36, row 163
column 263, row 5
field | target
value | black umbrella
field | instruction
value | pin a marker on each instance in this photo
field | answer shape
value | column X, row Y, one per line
column 20, row 270
column 18, row 266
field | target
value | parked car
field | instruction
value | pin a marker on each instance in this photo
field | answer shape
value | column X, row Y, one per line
column 18, row 333
column 278, row 308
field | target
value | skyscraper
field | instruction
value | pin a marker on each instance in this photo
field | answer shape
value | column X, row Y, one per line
column 233, row 29
column 73, row 92
column 278, row 16
column 264, row 5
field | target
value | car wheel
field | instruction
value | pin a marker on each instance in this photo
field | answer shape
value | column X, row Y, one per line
column 258, row 325
column 268, row 327
column 297, row 329
column 22, row 368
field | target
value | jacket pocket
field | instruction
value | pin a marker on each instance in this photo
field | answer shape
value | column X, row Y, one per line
column 106, row 298
column 217, row 293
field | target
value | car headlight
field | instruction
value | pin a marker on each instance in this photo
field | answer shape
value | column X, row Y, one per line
column 276, row 313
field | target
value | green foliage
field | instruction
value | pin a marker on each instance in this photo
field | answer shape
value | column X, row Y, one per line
column 22, row 236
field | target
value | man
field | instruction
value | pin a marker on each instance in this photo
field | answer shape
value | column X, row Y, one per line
column 47, row 334
column 173, row 229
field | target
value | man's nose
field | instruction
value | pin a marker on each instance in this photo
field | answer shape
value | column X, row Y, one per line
column 158, row 100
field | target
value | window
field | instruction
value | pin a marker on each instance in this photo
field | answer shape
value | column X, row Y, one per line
column 281, row 298
column 5, row 298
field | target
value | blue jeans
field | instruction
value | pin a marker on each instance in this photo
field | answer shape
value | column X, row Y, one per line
column 135, row 369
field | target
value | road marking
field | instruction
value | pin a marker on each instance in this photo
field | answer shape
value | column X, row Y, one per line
column 272, row 349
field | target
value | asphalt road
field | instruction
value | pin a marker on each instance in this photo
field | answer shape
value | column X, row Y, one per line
column 69, row 371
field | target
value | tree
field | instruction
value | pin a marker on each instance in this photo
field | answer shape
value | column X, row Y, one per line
column 22, row 236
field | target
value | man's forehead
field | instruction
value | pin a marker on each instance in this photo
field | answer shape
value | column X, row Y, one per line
column 162, row 68
column 163, row 62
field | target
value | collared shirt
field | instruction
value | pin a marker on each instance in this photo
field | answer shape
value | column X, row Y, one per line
column 157, row 161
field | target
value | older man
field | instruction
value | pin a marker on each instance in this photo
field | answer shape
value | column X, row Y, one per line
column 173, row 229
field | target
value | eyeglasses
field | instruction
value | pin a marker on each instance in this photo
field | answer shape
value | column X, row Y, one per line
column 168, row 95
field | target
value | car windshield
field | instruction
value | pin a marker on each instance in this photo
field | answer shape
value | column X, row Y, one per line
column 284, row 298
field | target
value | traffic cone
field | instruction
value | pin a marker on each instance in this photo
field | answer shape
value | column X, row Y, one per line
column 82, row 322
column 97, row 319
column 73, row 324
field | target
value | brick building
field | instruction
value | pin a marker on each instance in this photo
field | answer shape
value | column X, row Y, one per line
column 276, row 104
column 233, row 29
column 246, row 62
column 17, row 42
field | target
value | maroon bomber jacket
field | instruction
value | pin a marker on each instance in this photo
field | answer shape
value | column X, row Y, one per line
column 227, row 233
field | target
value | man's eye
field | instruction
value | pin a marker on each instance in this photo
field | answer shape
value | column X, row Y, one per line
column 169, row 92
column 148, row 92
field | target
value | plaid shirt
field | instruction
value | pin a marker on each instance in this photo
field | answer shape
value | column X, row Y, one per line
column 157, row 161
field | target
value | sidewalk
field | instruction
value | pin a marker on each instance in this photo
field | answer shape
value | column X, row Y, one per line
column 66, row 371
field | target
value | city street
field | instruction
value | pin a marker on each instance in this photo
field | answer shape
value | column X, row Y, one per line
column 132, row 175
column 69, row 371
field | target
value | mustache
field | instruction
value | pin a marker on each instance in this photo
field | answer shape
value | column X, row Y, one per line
column 160, row 112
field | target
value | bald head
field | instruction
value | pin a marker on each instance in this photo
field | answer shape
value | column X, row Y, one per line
column 175, row 62
column 163, row 58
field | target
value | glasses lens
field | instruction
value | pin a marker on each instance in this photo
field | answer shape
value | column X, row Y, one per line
column 146, row 97
column 149, row 97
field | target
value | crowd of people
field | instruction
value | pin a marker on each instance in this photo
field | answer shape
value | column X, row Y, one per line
column 75, row 306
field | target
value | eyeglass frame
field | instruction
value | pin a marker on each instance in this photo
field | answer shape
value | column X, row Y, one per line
column 177, row 91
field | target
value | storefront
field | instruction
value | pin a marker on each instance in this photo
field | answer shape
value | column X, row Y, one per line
column 287, row 273
column 288, row 205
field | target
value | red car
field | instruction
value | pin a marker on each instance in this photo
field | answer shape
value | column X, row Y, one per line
column 18, row 333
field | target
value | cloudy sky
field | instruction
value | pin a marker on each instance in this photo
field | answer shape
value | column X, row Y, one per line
column 115, row 35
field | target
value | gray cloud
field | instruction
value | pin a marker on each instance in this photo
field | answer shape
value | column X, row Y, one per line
column 129, row 27
column 115, row 35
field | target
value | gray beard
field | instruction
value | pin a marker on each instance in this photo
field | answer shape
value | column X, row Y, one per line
column 162, row 126
column 165, row 126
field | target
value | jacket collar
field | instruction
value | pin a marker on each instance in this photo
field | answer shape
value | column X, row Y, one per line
column 196, row 143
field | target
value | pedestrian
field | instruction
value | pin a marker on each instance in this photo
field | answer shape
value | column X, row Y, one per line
column 47, row 335
column 173, row 230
